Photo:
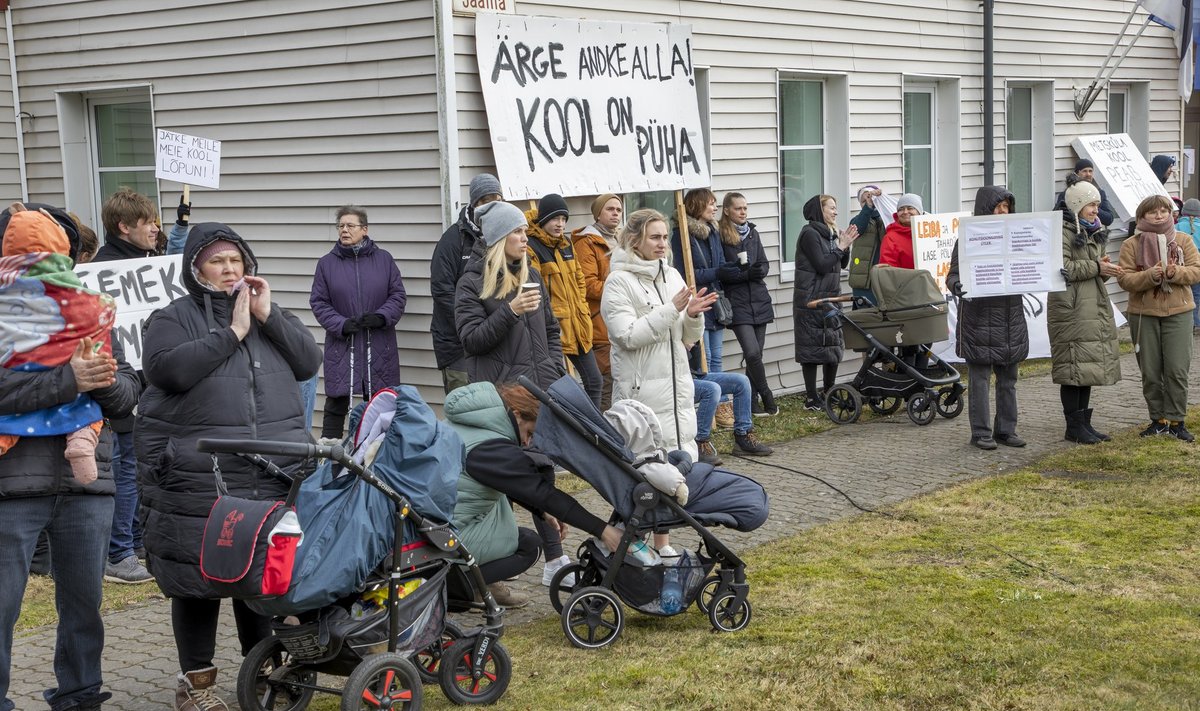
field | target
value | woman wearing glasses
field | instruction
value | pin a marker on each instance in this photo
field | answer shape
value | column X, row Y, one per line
column 357, row 296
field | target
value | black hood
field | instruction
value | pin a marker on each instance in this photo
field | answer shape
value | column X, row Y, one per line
column 990, row 196
column 202, row 235
column 812, row 210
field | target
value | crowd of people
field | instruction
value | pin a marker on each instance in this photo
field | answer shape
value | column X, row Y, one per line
column 617, row 302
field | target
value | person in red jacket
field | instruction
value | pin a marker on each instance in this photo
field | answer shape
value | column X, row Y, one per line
column 897, row 249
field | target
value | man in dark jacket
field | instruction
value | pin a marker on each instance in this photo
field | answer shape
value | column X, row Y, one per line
column 38, row 492
column 450, row 258
column 992, row 338
column 130, row 232
column 1086, row 170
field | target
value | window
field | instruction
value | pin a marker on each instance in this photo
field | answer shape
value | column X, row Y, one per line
column 801, row 154
column 1020, row 145
column 919, row 160
column 1129, row 112
column 1118, row 111
column 1029, row 144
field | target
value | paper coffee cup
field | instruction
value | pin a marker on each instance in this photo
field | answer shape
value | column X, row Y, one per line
column 743, row 257
column 529, row 286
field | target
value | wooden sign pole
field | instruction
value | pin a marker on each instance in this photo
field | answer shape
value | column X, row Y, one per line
column 187, row 194
column 689, row 274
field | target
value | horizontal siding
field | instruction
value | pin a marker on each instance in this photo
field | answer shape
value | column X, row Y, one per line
column 10, row 169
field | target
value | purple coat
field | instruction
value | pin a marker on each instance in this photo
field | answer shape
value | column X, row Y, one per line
column 346, row 286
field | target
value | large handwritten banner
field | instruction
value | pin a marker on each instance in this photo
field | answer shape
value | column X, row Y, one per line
column 933, row 243
column 582, row 108
column 1121, row 170
column 191, row 160
column 139, row 287
column 1011, row 254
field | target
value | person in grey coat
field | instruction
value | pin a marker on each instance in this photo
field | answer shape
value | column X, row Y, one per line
column 993, row 339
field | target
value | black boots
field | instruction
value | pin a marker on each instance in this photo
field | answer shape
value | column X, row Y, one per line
column 1087, row 422
column 1077, row 429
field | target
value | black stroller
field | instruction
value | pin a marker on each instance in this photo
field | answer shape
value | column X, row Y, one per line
column 571, row 430
column 898, row 366
column 392, row 634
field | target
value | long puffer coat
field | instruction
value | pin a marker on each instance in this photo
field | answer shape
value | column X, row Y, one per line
column 500, row 345
column 819, row 265
column 205, row 383
column 647, row 333
column 991, row 330
column 747, row 292
column 708, row 258
column 1083, row 332
column 348, row 284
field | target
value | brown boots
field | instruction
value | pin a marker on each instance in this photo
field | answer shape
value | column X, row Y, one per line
column 197, row 691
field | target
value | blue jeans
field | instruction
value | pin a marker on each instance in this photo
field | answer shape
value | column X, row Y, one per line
column 76, row 525
column 714, row 343
column 710, row 389
column 308, row 393
column 1196, row 301
column 126, row 534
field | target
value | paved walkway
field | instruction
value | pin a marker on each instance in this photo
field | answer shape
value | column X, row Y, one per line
column 902, row 461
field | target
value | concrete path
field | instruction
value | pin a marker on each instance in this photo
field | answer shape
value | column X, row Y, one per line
column 877, row 463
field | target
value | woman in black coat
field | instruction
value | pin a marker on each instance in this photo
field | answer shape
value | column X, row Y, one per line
column 821, row 254
column 221, row 362
column 748, row 294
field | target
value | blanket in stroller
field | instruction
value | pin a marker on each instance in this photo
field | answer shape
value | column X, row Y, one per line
column 349, row 528
column 716, row 497
column 911, row 310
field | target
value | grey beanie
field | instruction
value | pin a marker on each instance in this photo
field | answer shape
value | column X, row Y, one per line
column 910, row 200
column 497, row 219
column 483, row 185
column 1191, row 208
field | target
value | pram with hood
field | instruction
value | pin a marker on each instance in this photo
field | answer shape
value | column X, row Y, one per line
column 898, row 365
column 570, row 430
column 376, row 571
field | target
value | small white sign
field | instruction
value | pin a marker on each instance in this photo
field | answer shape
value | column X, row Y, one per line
column 1121, row 170
column 190, row 160
column 139, row 287
column 472, row 7
column 1011, row 254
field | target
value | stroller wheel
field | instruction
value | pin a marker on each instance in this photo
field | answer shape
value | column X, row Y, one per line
column 593, row 618
column 884, row 405
column 922, row 407
column 257, row 691
column 950, row 401
column 382, row 681
column 843, row 404
column 426, row 661
column 584, row 576
column 726, row 617
column 705, row 596
column 464, row 684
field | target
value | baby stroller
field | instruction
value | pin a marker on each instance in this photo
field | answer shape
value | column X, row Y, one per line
column 570, row 430
column 369, row 598
column 898, row 365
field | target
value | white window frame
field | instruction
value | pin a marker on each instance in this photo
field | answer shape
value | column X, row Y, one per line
column 929, row 88
column 1137, row 112
column 1041, row 141
column 1122, row 91
column 947, row 138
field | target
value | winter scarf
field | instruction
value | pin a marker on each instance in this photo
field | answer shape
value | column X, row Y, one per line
column 1148, row 254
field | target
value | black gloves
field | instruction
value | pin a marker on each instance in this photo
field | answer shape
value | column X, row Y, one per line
column 351, row 326
column 957, row 290
column 730, row 272
column 183, row 212
column 371, row 321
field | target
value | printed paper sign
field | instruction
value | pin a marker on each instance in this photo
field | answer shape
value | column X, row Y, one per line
column 191, row 160
column 583, row 108
column 1011, row 254
column 933, row 243
column 1121, row 170
column 139, row 287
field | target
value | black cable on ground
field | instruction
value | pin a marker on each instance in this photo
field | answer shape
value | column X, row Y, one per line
column 814, row 477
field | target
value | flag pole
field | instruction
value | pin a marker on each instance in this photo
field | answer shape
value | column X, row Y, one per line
column 689, row 275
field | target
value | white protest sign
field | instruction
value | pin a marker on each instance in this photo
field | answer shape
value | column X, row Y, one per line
column 139, row 287
column 1121, row 170
column 933, row 243
column 190, row 160
column 1011, row 254
column 583, row 108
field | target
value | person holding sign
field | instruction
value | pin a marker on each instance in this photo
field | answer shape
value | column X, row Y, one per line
column 708, row 263
column 822, row 252
column 897, row 247
column 1083, row 333
column 1158, row 265
column 992, row 338
column 594, row 245
column 1086, row 170
column 864, row 253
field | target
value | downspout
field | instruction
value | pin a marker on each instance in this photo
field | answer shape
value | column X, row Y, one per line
column 989, row 82
column 16, row 94
column 447, row 99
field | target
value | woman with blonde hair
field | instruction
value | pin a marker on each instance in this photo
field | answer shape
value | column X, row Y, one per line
column 749, row 296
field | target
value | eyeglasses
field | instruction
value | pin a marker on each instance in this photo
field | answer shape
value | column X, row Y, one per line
column 346, row 226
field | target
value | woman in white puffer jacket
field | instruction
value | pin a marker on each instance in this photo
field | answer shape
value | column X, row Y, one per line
column 652, row 318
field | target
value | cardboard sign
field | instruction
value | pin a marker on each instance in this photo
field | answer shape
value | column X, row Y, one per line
column 584, row 108
column 190, row 160
column 139, row 287
column 933, row 243
column 1011, row 254
column 1121, row 170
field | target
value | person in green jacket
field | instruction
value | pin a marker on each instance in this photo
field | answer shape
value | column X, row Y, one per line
column 1083, row 332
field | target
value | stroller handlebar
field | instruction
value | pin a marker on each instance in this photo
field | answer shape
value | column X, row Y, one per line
column 817, row 303
column 280, row 449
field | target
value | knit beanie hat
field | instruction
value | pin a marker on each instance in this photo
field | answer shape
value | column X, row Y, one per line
column 1191, row 208
column 599, row 203
column 1080, row 195
column 497, row 219
column 910, row 200
column 483, row 185
column 1083, row 164
column 551, row 206
column 207, row 252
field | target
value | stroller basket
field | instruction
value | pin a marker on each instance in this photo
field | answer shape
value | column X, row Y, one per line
column 640, row 587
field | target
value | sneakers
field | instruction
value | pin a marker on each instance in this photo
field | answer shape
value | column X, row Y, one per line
column 1011, row 440
column 813, row 404
column 1156, row 428
column 748, row 444
column 1179, row 431
column 984, row 443
column 724, row 418
column 551, row 567
column 128, row 570
column 759, row 411
column 708, row 453
column 506, row 597
column 195, row 691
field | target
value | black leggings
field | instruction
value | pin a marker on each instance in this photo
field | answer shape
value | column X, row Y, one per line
column 1075, row 397
column 194, row 621
column 589, row 372
column 753, row 338
column 333, row 423
column 828, row 370
column 515, row 564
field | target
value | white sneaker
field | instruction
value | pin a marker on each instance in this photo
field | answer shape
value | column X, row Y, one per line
column 552, row 566
column 667, row 552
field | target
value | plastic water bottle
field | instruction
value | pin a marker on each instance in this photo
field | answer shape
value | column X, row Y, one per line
column 670, row 600
column 644, row 554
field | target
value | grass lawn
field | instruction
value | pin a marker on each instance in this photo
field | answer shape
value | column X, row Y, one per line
column 37, row 608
